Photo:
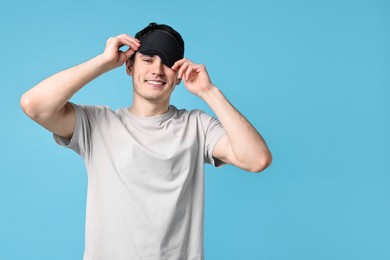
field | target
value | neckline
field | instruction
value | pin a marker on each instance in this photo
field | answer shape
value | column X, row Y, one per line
column 157, row 118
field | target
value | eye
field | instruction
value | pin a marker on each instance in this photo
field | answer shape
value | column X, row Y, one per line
column 148, row 60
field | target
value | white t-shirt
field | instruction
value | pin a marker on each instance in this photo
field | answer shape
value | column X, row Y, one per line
column 145, row 181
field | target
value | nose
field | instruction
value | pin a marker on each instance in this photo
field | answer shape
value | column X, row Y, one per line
column 158, row 67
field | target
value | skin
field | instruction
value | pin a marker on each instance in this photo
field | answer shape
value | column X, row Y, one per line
column 150, row 98
column 153, row 83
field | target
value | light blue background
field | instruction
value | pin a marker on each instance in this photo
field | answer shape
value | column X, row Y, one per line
column 312, row 76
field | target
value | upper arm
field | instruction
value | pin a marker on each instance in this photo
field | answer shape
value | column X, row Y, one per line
column 223, row 152
column 61, row 123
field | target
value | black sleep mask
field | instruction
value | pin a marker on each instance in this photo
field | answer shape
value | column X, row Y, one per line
column 163, row 44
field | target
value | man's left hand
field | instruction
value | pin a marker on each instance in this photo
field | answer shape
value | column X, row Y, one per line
column 194, row 76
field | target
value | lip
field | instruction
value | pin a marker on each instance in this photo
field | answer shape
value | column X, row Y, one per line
column 155, row 83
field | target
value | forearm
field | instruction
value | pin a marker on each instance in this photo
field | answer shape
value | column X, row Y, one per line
column 246, row 143
column 50, row 95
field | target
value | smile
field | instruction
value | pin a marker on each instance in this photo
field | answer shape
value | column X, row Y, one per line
column 156, row 83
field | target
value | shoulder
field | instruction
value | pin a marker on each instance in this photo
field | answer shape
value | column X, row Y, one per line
column 197, row 117
column 192, row 113
column 92, row 108
column 92, row 111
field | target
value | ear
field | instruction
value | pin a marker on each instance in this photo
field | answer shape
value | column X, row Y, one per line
column 129, row 67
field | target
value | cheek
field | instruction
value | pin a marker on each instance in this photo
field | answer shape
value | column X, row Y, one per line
column 171, row 74
column 137, row 74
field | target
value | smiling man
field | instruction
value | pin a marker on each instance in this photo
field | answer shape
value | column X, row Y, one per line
column 145, row 163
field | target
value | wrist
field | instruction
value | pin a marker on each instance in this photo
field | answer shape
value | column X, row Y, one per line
column 103, row 64
column 209, row 92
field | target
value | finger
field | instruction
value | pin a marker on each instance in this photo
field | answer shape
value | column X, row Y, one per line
column 182, row 70
column 129, row 38
column 188, row 72
column 176, row 65
column 129, row 52
column 117, row 43
column 200, row 68
column 129, row 41
column 179, row 63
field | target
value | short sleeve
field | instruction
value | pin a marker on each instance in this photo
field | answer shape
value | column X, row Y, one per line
column 81, row 139
column 213, row 132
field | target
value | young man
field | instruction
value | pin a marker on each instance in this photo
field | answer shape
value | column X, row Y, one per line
column 145, row 163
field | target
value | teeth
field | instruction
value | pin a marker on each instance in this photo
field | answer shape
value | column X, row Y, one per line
column 155, row 82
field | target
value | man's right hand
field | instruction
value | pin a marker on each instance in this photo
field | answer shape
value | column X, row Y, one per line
column 112, row 53
column 47, row 102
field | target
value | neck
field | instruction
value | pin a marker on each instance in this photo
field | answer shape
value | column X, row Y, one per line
column 148, row 108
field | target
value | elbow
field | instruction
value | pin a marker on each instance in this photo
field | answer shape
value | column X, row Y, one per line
column 25, row 104
column 262, row 163
column 28, row 106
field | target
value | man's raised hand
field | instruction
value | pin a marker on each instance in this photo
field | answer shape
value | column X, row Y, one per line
column 112, row 53
column 194, row 76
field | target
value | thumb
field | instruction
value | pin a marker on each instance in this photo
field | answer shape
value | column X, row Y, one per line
column 129, row 52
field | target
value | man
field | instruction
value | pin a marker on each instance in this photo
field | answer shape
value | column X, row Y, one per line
column 145, row 163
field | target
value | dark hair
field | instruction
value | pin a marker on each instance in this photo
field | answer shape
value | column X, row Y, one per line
column 154, row 26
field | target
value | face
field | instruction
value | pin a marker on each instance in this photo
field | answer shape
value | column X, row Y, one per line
column 152, row 80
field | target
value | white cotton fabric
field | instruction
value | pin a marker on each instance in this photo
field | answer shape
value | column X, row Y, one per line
column 145, row 195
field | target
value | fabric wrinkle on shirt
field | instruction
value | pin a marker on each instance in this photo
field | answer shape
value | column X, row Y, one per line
column 145, row 196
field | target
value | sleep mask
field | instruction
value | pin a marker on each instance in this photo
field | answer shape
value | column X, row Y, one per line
column 163, row 44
